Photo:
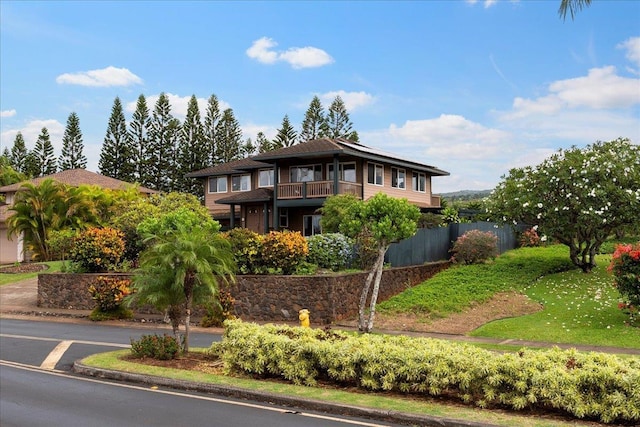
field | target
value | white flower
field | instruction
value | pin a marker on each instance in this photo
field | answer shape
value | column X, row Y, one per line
column 539, row 205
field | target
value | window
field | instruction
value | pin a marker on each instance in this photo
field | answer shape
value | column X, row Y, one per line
column 284, row 217
column 265, row 178
column 419, row 182
column 398, row 178
column 375, row 173
column 311, row 225
column 347, row 172
column 241, row 183
column 306, row 173
column 218, row 184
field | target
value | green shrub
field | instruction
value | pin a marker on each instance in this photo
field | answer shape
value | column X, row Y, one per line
column 97, row 250
column 247, row 248
column 60, row 243
column 284, row 250
column 334, row 251
column 625, row 265
column 219, row 310
column 475, row 247
column 161, row 347
column 585, row 385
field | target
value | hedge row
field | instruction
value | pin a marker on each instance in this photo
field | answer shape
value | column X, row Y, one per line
column 585, row 385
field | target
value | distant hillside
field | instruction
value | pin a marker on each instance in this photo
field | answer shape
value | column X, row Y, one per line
column 465, row 195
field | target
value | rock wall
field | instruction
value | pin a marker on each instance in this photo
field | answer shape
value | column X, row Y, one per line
column 330, row 297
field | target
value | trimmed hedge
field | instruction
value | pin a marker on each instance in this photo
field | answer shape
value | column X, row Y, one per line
column 585, row 385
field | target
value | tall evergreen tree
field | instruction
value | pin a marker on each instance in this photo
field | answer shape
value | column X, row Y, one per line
column 314, row 125
column 286, row 136
column 211, row 120
column 116, row 157
column 138, row 134
column 338, row 123
column 248, row 148
column 18, row 155
column 31, row 166
column 229, row 137
column 44, row 162
column 162, row 148
column 193, row 154
column 72, row 146
column 263, row 143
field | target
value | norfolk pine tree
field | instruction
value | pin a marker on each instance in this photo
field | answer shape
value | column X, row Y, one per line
column 263, row 143
column 314, row 125
column 161, row 149
column 229, row 138
column 338, row 123
column 116, row 157
column 72, row 146
column 192, row 151
column 286, row 136
column 138, row 133
column 18, row 155
column 211, row 120
column 44, row 162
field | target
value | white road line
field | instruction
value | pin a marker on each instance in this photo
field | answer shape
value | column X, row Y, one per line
column 27, row 337
column 180, row 394
column 56, row 354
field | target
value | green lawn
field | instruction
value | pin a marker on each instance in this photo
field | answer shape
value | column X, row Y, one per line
column 578, row 308
column 6, row 278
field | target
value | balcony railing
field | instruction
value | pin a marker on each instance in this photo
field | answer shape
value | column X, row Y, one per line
column 314, row 189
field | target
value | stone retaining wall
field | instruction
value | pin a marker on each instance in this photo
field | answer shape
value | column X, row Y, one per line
column 329, row 297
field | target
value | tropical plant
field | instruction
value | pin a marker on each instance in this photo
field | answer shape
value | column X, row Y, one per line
column 578, row 197
column 385, row 220
column 247, row 249
column 97, row 250
column 284, row 250
column 181, row 268
column 572, row 6
column 333, row 211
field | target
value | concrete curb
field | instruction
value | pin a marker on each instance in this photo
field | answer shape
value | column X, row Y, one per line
column 277, row 399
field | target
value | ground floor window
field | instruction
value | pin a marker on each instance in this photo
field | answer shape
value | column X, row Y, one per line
column 311, row 225
column 284, row 217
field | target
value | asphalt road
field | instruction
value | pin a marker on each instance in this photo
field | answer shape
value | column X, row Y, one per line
column 38, row 389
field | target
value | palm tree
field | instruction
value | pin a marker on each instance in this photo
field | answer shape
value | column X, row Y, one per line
column 36, row 213
column 572, row 6
column 183, row 267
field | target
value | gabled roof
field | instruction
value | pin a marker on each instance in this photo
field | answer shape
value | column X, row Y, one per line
column 77, row 177
column 329, row 147
column 257, row 195
column 236, row 166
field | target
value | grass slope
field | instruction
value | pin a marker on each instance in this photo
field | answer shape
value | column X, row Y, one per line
column 6, row 278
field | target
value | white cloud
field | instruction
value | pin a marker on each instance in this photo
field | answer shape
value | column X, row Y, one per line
column 32, row 130
column 487, row 3
column 352, row 100
column 298, row 57
column 7, row 113
column 632, row 45
column 179, row 105
column 110, row 76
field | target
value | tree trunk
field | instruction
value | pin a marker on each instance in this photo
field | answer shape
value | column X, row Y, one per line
column 376, row 288
column 362, row 321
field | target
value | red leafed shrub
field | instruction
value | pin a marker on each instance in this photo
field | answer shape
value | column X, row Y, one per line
column 97, row 250
column 475, row 247
column 529, row 238
column 625, row 266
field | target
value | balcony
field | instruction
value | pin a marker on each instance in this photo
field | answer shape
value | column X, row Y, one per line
column 316, row 189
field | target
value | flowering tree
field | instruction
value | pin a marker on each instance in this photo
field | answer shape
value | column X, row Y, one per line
column 577, row 196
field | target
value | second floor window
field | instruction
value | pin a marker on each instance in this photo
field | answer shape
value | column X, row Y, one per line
column 218, row 184
column 398, row 178
column 265, row 178
column 306, row 173
column 419, row 182
column 347, row 172
column 375, row 172
column 241, row 183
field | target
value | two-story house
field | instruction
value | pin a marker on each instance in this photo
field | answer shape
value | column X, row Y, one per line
column 283, row 188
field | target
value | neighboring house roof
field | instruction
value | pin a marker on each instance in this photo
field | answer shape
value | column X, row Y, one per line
column 236, row 166
column 328, row 147
column 258, row 195
column 77, row 177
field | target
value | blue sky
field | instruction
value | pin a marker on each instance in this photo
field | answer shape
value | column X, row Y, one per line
column 472, row 87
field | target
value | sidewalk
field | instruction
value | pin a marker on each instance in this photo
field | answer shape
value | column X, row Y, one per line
column 19, row 300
